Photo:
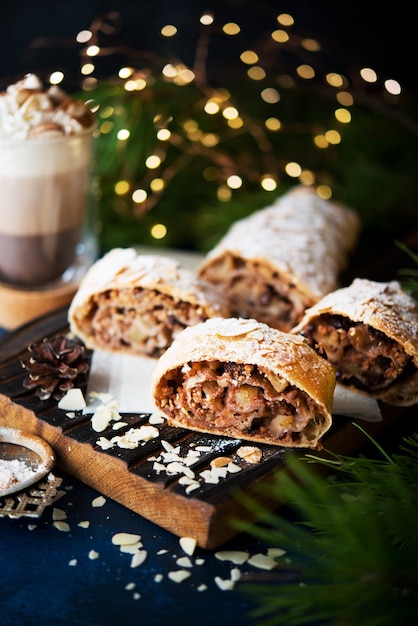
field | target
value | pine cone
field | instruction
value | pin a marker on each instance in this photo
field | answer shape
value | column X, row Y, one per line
column 54, row 366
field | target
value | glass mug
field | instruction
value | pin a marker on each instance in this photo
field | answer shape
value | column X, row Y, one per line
column 47, row 208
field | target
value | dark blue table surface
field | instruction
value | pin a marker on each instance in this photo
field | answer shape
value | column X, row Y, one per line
column 39, row 585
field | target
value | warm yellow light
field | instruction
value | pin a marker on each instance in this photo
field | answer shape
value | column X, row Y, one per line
column 106, row 111
column 169, row 71
column 368, row 75
column 184, row 76
column 153, row 161
column 293, row 169
column 324, row 192
column 333, row 136
column 230, row 113
column 345, row 98
column 280, row 36
column 335, row 80
column 168, row 31
column 84, row 36
column 305, row 71
column 211, row 107
column 106, row 127
column 231, row 28
column 206, row 19
column 249, row 57
column 320, row 141
column 273, row 124
column 393, row 87
column 123, row 134
column 235, row 123
column 285, row 19
column 270, row 95
column 343, row 116
column 307, row 177
column 157, row 184
column 158, row 231
column 87, row 68
column 234, row 181
column 224, row 194
column 125, row 72
column 268, row 183
column 92, row 51
column 209, row 140
column 56, row 77
column 139, row 196
column 311, row 44
column 256, row 73
column 163, row 134
column 122, row 187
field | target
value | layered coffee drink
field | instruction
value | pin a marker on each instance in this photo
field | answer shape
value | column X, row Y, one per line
column 45, row 166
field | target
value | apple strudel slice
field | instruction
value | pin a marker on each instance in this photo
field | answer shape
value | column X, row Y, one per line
column 282, row 259
column 369, row 331
column 240, row 378
column 138, row 303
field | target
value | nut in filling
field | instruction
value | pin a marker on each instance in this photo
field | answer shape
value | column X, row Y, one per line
column 238, row 401
column 362, row 355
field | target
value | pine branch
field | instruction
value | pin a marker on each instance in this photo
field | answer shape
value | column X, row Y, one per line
column 355, row 546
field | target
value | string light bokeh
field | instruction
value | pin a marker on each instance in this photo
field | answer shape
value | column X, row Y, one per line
column 160, row 120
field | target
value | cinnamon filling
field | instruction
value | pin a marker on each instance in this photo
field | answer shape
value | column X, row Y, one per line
column 239, row 401
column 362, row 355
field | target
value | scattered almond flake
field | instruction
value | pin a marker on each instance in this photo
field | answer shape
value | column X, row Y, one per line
column 162, row 551
column 224, row 584
column 179, row 575
column 250, row 454
column 125, row 539
column 262, row 561
column 131, row 549
column 184, row 561
column 156, row 419
column 179, row 468
column 275, row 552
column 136, row 595
column 130, row 586
column 98, row 502
column 199, row 561
column 158, row 578
column 101, row 419
column 204, row 448
column 236, row 556
column 71, row 415
column 235, row 574
column 202, row 588
column 93, row 555
column 32, row 526
column 167, row 446
column 220, row 461
column 58, row 514
column 118, row 425
column 158, row 467
column 73, row 400
column 84, row 524
column 63, row 526
column 138, row 558
column 188, row 545
column 73, row 562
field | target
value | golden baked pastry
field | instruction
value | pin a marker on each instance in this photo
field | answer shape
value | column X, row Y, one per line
column 282, row 259
column 369, row 331
column 137, row 304
column 240, row 378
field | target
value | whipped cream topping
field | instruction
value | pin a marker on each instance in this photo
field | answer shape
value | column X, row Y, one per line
column 30, row 110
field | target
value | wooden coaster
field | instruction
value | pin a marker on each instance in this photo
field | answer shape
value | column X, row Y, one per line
column 18, row 305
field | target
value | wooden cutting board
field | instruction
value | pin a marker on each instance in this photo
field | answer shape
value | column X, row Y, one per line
column 127, row 475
